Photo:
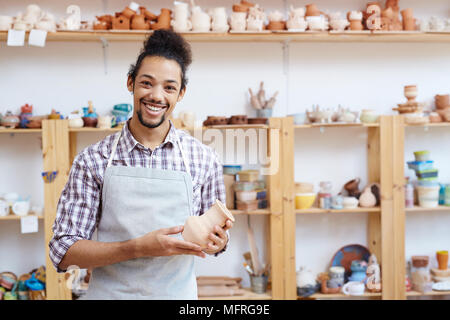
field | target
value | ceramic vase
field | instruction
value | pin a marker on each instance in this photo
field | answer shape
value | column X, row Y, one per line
column 367, row 199
column 255, row 24
column 181, row 22
column 163, row 20
column 312, row 10
column 442, row 101
column 138, row 22
column 238, row 21
column 201, row 21
column 219, row 20
column 131, row 10
column 198, row 228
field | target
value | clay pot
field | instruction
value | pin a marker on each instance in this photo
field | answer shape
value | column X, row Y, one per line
column 312, row 10
column 445, row 114
column 367, row 198
column 442, row 259
column 435, row 117
column 240, row 119
column 239, row 8
column 101, row 25
column 257, row 120
column 138, row 22
column 356, row 25
column 409, row 24
column 276, row 25
column 163, row 20
column 120, row 23
column 198, row 228
column 128, row 12
column 419, row 261
column 407, row 13
column 352, row 187
column 90, row 122
column 442, row 101
column 410, row 92
column 148, row 14
column 212, row 120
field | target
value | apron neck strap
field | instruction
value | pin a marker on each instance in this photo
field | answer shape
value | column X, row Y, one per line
column 183, row 155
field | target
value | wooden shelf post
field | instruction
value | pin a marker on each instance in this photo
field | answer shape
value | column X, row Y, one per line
column 392, row 207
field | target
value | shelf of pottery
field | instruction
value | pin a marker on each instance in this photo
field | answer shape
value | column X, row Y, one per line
column 22, row 209
column 244, row 21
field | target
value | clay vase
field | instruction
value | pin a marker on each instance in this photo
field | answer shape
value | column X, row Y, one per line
column 442, row 101
column 138, row 22
column 367, row 199
column 120, row 23
column 352, row 187
column 100, row 25
column 442, row 259
column 128, row 12
column 409, row 24
column 198, row 228
column 312, row 10
column 163, row 20
column 356, row 25
column 90, row 122
column 407, row 13
column 148, row 14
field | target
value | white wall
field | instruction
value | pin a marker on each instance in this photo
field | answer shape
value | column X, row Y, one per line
column 65, row 76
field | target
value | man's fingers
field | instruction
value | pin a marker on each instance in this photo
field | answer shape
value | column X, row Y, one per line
column 185, row 245
column 228, row 225
column 215, row 239
column 200, row 254
column 172, row 230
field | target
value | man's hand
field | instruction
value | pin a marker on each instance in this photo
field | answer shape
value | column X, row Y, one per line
column 219, row 239
column 158, row 243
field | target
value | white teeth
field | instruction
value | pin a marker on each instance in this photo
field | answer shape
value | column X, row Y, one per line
column 156, row 109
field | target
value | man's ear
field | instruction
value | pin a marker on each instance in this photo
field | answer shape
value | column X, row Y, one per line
column 130, row 84
column 181, row 94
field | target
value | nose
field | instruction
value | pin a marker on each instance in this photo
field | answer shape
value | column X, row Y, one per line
column 157, row 94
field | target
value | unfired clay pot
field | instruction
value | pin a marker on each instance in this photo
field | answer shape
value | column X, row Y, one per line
column 138, row 22
column 198, row 228
column 163, row 20
column 130, row 10
column 120, row 23
column 312, row 10
column 409, row 24
column 442, row 101
column 148, row 14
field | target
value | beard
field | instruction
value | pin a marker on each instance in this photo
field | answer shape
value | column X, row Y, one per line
column 150, row 125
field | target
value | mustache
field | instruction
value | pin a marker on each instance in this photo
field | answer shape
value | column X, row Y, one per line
column 162, row 105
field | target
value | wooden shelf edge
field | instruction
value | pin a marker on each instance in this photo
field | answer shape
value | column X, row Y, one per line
column 421, row 209
column 427, row 294
column 249, row 295
column 15, row 217
column 339, row 295
column 253, row 212
column 336, row 125
column 356, row 210
column 21, row 130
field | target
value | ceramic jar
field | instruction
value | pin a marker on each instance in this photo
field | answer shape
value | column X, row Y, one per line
column 163, row 20
column 21, row 208
column 337, row 202
column 324, row 195
column 367, row 198
column 181, row 22
column 317, row 23
column 198, row 228
column 131, row 10
column 201, row 21
column 306, row 282
column 10, row 121
column 6, row 23
column 296, row 20
column 312, row 10
column 339, row 25
column 255, row 24
column 336, row 275
column 219, row 20
column 138, row 22
column 368, row 116
column 410, row 92
column 355, row 18
column 105, row 122
column 442, row 101
column 120, row 23
column 75, row 121
column 238, row 21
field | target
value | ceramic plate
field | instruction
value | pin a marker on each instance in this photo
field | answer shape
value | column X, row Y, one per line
column 344, row 256
column 441, row 286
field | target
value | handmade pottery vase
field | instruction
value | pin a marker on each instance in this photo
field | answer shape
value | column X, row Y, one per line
column 306, row 282
column 238, row 21
column 131, row 10
column 276, row 21
column 219, row 20
column 409, row 24
column 337, row 277
column 181, row 22
column 442, row 101
column 139, row 22
column 198, row 228
column 367, row 199
column 120, row 23
column 317, row 23
column 201, row 21
column 163, row 21
column 312, row 10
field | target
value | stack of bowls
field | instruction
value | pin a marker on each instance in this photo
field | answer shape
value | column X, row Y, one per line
column 304, row 195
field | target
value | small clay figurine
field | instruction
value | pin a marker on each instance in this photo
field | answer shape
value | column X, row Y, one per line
column 373, row 282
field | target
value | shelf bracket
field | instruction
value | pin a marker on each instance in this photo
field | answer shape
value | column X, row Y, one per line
column 105, row 45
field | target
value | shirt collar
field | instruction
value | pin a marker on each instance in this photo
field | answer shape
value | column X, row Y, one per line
column 131, row 142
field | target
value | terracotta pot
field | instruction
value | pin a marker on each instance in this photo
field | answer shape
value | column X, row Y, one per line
column 148, row 14
column 100, row 25
column 241, row 119
column 409, row 24
column 239, row 8
column 198, row 228
column 163, row 20
column 442, row 101
column 407, row 13
column 352, row 187
column 257, row 120
column 445, row 114
column 90, row 122
column 442, row 258
column 419, row 261
column 312, row 10
column 410, row 92
column 120, row 23
column 138, row 22
column 276, row 25
column 129, row 12
column 356, row 25
column 435, row 117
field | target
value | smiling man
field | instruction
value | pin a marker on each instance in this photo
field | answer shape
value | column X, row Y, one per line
column 137, row 187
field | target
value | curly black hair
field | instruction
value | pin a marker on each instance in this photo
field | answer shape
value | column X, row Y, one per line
column 167, row 44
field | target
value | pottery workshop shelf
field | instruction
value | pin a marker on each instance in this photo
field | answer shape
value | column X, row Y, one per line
column 354, row 210
column 346, row 36
column 15, row 217
column 254, row 212
column 20, row 130
column 427, row 294
column 438, row 124
column 421, row 209
column 336, row 125
column 248, row 295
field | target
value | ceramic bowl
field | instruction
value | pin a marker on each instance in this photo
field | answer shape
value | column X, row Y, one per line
column 246, row 195
column 350, row 202
column 422, row 155
column 90, row 121
column 304, row 200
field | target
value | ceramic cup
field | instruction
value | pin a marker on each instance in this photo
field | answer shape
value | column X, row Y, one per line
column 350, row 202
column 442, row 258
column 105, row 122
column 188, row 118
column 21, row 208
column 353, row 288
column 11, row 197
column 4, row 208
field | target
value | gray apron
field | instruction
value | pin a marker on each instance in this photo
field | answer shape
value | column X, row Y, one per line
column 136, row 201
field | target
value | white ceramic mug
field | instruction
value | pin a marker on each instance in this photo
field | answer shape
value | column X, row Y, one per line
column 105, row 122
column 353, row 288
column 37, row 210
column 4, row 208
column 21, row 208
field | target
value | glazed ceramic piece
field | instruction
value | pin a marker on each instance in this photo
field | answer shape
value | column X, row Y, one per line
column 10, row 121
column 198, row 228
column 353, row 288
column 337, row 202
column 255, row 19
column 163, row 21
column 367, row 199
column 442, row 259
column 305, row 278
column 150, row 16
column 75, row 121
column 120, row 23
column 442, row 101
column 181, row 22
column 339, row 25
column 238, row 21
column 368, row 116
column 435, row 117
column 21, row 208
column 350, row 202
column 409, row 24
column 323, row 278
column 246, row 195
column 257, row 120
column 317, row 23
column 355, row 18
column 296, row 20
column 238, row 119
column 312, row 10
column 373, row 272
column 304, row 200
column 219, row 20
column 105, row 122
column 201, row 21
column 103, row 22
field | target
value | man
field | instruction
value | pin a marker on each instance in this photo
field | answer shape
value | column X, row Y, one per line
column 137, row 187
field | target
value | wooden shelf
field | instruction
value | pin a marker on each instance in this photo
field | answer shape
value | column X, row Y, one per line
column 432, row 293
column 15, row 217
column 318, row 210
column 20, row 130
column 339, row 295
column 249, row 295
column 420, row 209
column 254, row 212
column 88, row 129
column 335, row 125
column 435, row 124
column 238, row 126
column 308, row 36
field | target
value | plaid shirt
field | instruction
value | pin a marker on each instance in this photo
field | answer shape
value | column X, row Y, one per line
column 78, row 211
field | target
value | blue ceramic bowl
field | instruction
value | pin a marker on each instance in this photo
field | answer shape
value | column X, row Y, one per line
column 230, row 169
column 125, row 107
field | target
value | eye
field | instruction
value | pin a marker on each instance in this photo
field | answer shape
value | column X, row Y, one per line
column 171, row 88
column 146, row 83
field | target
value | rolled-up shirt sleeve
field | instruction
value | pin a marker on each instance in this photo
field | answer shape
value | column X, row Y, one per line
column 77, row 211
column 214, row 188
